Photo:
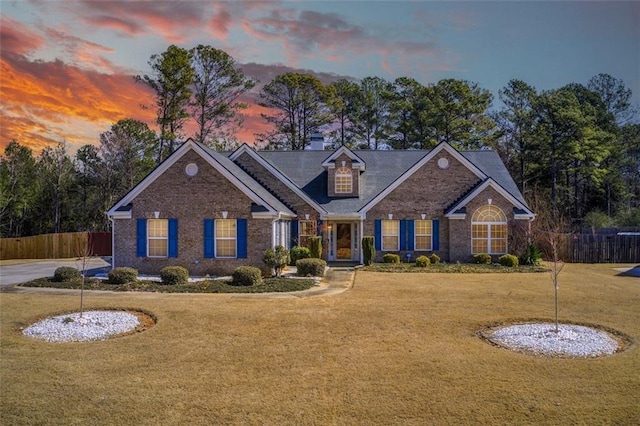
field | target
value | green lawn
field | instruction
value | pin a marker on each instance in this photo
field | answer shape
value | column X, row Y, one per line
column 395, row 349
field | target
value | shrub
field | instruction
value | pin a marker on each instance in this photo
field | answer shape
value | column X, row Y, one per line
column 423, row 261
column 66, row 273
column 482, row 258
column 434, row 258
column 174, row 275
column 296, row 253
column 246, row 276
column 531, row 256
column 315, row 247
column 368, row 249
column 277, row 258
column 123, row 275
column 508, row 260
column 391, row 258
column 311, row 267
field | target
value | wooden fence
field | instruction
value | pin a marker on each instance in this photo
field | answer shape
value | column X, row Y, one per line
column 608, row 248
column 56, row 246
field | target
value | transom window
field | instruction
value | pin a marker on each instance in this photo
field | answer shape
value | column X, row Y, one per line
column 489, row 231
column 344, row 181
column 423, row 235
column 157, row 237
column 390, row 235
column 306, row 230
column 226, row 233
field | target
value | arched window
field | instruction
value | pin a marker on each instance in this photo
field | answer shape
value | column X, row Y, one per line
column 489, row 231
column 344, row 181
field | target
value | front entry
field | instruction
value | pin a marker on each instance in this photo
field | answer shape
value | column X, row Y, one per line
column 342, row 241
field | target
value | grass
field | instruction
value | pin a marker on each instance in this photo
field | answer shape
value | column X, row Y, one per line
column 395, row 349
column 269, row 285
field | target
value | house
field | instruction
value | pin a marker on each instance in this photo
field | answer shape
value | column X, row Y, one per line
column 211, row 212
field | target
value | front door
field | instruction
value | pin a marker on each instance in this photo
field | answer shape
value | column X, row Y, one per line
column 344, row 241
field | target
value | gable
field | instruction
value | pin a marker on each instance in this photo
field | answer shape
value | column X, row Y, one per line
column 238, row 180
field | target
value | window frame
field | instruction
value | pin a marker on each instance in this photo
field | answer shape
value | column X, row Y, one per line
column 343, row 180
column 306, row 226
column 151, row 237
column 385, row 235
column 219, row 228
column 489, row 221
column 416, row 234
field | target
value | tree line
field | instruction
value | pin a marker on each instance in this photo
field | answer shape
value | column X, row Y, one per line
column 574, row 150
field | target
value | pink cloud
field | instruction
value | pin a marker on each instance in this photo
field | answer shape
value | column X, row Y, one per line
column 18, row 38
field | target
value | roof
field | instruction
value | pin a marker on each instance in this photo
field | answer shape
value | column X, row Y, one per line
column 305, row 170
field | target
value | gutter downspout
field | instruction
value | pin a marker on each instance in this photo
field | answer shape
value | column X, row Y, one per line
column 113, row 244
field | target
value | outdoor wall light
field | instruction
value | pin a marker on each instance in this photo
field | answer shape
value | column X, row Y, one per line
column 390, row 216
column 156, row 214
column 224, row 214
column 489, row 201
column 423, row 216
column 306, row 216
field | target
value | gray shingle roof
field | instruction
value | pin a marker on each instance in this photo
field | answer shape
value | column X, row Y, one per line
column 304, row 169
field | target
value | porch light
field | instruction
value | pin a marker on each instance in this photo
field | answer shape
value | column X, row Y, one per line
column 224, row 214
column 423, row 216
column 306, row 216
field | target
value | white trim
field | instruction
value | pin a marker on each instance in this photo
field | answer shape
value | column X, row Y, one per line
column 244, row 148
column 355, row 160
column 430, row 155
column 178, row 154
column 490, row 182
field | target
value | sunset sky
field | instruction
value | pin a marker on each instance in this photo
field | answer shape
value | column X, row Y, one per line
column 67, row 67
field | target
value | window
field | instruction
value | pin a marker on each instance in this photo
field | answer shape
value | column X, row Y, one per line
column 489, row 231
column 157, row 237
column 423, row 233
column 307, row 229
column 344, row 181
column 226, row 232
column 390, row 235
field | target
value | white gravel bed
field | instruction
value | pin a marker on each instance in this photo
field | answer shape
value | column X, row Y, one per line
column 542, row 339
column 94, row 325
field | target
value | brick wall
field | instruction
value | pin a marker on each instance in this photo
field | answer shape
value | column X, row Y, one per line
column 429, row 191
column 191, row 200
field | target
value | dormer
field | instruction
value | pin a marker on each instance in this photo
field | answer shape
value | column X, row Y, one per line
column 343, row 173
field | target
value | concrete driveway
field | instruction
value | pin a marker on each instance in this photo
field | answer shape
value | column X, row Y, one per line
column 23, row 272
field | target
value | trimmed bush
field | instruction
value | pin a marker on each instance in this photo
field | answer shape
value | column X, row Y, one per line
column 66, row 273
column 123, row 275
column 434, row 258
column 482, row 259
column 277, row 258
column 296, row 253
column 315, row 247
column 311, row 267
column 391, row 258
column 423, row 261
column 531, row 256
column 246, row 276
column 174, row 275
column 368, row 249
column 508, row 260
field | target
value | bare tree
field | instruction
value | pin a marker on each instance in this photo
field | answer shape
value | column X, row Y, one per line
column 84, row 251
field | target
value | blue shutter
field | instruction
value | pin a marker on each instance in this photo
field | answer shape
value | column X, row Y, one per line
column 411, row 237
column 435, row 229
column 241, row 238
column 173, row 238
column 403, row 234
column 378, row 234
column 141, row 238
column 209, row 252
column 294, row 233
